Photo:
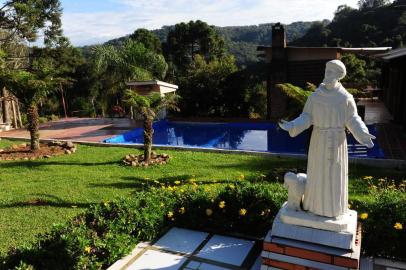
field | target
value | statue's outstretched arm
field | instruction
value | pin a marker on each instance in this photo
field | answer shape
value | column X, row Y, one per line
column 301, row 123
column 356, row 126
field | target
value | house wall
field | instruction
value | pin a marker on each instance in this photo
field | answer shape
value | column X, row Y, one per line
column 394, row 89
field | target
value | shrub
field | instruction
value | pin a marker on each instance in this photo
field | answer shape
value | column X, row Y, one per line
column 384, row 218
column 108, row 231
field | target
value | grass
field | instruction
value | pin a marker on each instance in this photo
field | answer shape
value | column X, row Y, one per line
column 36, row 194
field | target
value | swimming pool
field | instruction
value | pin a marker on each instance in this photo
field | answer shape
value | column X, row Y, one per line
column 262, row 137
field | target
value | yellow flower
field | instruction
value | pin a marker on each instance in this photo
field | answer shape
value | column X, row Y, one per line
column 364, row 216
column 182, row 210
column 170, row 188
column 222, row 204
column 106, row 203
column 398, row 226
column 181, row 190
column 209, row 212
column 88, row 249
column 242, row 212
column 170, row 214
column 241, row 177
column 177, row 182
column 162, row 204
column 367, row 177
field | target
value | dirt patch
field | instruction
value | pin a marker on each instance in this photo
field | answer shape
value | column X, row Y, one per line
column 23, row 151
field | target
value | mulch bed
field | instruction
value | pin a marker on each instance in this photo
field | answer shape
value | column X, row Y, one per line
column 23, row 151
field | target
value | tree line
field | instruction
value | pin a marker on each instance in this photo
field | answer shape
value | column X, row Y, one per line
column 67, row 81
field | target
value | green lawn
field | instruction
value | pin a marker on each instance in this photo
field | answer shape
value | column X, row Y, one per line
column 36, row 194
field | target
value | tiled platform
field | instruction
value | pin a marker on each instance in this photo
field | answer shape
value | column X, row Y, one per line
column 193, row 250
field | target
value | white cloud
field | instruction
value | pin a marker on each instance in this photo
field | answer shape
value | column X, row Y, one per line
column 96, row 27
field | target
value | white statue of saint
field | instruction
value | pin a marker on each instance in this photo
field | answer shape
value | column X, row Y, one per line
column 330, row 109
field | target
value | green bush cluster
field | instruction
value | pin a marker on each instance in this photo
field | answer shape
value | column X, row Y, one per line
column 296, row 98
column 383, row 218
column 108, row 231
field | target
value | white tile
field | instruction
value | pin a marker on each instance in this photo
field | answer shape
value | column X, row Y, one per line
column 226, row 249
column 181, row 240
column 206, row 266
column 194, row 265
column 154, row 260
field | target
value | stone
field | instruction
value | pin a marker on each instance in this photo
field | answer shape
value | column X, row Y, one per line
column 344, row 223
column 226, row 249
column 153, row 259
column 181, row 240
column 68, row 152
column 296, row 187
column 69, row 144
column 295, row 254
column 47, row 156
column 330, row 109
column 73, row 150
column 25, row 158
column 343, row 239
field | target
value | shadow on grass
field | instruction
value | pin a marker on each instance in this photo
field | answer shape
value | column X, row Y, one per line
column 33, row 164
column 263, row 163
column 41, row 199
column 139, row 183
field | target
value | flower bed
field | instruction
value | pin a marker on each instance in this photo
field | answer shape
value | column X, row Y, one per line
column 108, row 231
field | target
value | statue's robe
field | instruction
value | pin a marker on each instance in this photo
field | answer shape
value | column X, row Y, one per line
column 330, row 112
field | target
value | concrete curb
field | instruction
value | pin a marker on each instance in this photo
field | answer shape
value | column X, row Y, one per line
column 373, row 162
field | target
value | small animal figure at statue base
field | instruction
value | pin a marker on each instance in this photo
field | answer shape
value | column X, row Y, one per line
column 295, row 183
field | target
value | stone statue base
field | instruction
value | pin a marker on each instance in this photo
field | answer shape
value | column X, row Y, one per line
column 283, row 253
column 345, row 223
column 309, row 241
column 302, row 232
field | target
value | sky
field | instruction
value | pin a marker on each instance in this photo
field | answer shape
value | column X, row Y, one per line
column 87, row 22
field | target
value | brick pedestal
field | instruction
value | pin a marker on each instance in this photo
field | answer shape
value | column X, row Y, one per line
column 284, row 253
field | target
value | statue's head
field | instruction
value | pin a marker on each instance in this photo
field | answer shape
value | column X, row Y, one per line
column 335, row 71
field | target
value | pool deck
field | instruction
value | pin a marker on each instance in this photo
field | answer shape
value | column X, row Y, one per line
column 79, row 129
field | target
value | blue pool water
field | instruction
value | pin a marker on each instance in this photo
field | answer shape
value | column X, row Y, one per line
column 264, row 137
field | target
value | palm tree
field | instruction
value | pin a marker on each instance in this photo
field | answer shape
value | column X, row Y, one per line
column 149, row 107
column 29, row 89
column 131, row 61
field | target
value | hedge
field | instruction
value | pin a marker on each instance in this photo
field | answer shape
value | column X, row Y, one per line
column 108, row 231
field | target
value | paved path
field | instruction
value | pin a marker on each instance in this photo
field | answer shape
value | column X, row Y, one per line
column 83, row 129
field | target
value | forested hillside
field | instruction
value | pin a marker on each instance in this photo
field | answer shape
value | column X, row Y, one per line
column 241, row 41
column 374, row 23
